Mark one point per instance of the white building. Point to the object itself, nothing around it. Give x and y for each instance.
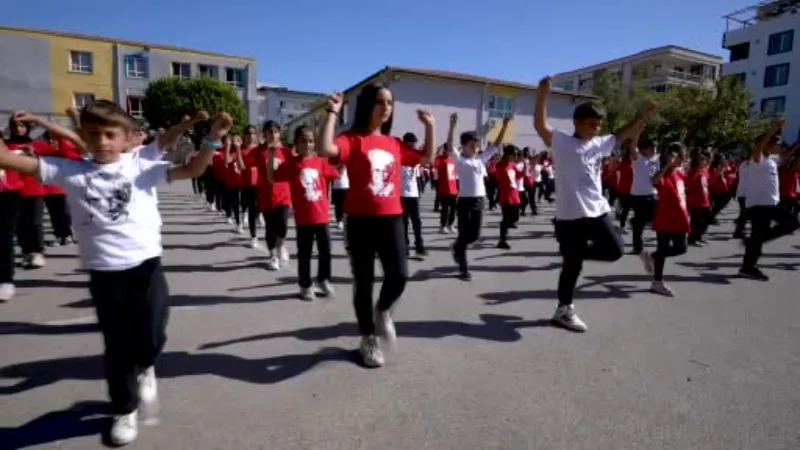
(760, 39)
(657, 68)
(283, 105)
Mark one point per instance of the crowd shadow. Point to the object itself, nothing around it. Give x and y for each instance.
(735, 266)
(23, 328)
(269, 370)
(79, 420)
(288, 281)
(52, 283)
(216, 267)
(198, 300)
(765, 255)
(493, 327)
(522, 254)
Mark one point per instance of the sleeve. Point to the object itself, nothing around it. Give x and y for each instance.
(330, 172)
(151, 152)
(53, 170)
(409, 156)
(152, 173)
(489, 153)
(606, 144)
(344, 142)
(283, 172)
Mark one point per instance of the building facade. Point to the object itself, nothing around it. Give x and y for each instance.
(760, 40)
(481, 104)
(656, 68)
(46, 72)
(284, 105)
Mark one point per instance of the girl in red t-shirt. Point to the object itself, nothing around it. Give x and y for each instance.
(507, 173)
(697, 197)
(374, 227)
(671, 218)
(624, 184)
(718, 187)
(233, 182)
(55, 198)
(10, 185)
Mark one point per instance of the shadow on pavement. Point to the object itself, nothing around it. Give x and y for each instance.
(79, 420)
(181, 300)
(494, 327)
(734, 266)
(22, 328)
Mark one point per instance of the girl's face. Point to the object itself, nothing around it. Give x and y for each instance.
(383, 107)
(237, 141)
(19, 129)
(249, 138)
(273, 135)
(305, 143)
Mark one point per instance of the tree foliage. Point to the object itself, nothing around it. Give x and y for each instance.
(720, 118)
(170, 99)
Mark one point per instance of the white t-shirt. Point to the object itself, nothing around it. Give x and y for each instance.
(342, 181)
(644, 169)
(578, 184)
(762, 182)
(114, 210)
(537, 173)
(470, 172)
(741, 188)
(410, 186)
(521, 180)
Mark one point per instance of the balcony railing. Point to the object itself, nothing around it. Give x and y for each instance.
(685, 76)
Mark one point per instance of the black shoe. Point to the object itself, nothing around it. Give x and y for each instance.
(465, 275)
(421, 252)
(504, 245)
(754, 273)
(513, 226)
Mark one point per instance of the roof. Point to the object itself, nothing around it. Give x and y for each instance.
(120, 41)
(285, 90)
(643, 53)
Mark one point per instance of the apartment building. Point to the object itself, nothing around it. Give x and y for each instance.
(47, 71)
(760, 41)
(657, 68)
(283, 105)
(480, 102)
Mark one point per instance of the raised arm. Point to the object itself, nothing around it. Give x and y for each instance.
(173, 134)
(219, 129)
(673, 163)
(761, 144)
(540, 113)
(501, 136)
(451, 133)
(52, 128)
(638, 123)
(17, 161)
(327, 148)
(426, 117)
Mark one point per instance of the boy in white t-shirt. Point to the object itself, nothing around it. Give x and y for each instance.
(583, 226)
(116, 220)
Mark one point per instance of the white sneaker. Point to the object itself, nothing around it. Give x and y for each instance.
(261, 221)
(647, 262)
(658, 287)
(370, 352)
(450, 230)
(308, 294)
(239, 230)
(229, 220)
(566, 317)
(443, 230)
(326, 288)
(254, 244)
(284, 255)
(340, 226)
(384, 326)
(124, 429)
(148, 395)
(212, 208)
(273, 264)
(7, 292)
(245, 221)
(37, 260)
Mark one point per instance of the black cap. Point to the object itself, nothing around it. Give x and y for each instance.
(410, 138)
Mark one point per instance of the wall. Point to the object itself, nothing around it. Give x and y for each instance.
(272, 110)
(24, 75)
(66, 83)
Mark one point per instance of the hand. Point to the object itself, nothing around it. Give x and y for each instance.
(73, 111)
(425, 116)
(545, 85)
(201, 116)
(508, 118)
(221, 126)
(334, 102)
(776, 125)
(453, 119)
(23, 116)
(237, 141)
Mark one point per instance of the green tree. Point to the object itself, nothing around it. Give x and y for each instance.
(170, 99)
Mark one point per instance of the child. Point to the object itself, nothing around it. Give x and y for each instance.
(117, 223)
(671, 218)
(697, 196)
(308, 176)
(507, 173)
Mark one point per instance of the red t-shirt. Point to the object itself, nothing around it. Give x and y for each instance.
(30, 183)
(671, 215)
(445, 167)
(233, 177)
(218, 165)
(546, 163)
(788, 177)
(507, 174)
(625, 175)
(373, 164)
(719, 182)
(270, 195)
(697, 188)
(308, 182)
(732, 175)
(250, 174)
(64, 149)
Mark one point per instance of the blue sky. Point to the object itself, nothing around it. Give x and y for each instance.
(324, 45)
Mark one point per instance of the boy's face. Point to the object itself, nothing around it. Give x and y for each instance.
(588, 128)
(105, 143)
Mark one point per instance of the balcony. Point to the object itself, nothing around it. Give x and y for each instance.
(668, 76)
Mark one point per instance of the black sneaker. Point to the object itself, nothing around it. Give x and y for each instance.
(504, 245)
(754, 273)
(465, 275)
(421, 252)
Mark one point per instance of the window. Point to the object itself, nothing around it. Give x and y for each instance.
(208, 71)
(234, 77)
(777, 75)
(135, 66)
(181, 70)
(780, 42)
(568, 86)
(80, 62)
(500, 107)
(136, 106)
(773, 106)
(739, 51)
(281, 104)
(660, 88)
(81, 99)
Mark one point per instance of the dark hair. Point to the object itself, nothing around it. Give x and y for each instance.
(106, 113)
(298, 132)
(467, 137)
(365, 104)
(695, 157)
(589, 110)
(510, 150)
(410, 138)
(718, 160)
(645, 143)
(270, 124)
(249, 129)
(13, 138)
(671, 149)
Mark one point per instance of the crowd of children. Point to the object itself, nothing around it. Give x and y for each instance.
(99, 184)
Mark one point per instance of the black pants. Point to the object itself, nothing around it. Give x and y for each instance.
(584, 239)
(470, 221)
(524, 200)
(644, 206)
(768, 223)
(132, 312)
(209, 186)
(510, 217)
(59, 215)
(533, 191)
(741, 220)
(700, 220)
(668, 245)
(368, 237)
(718, 203)
(548, 188)
(337, 198)
(276, 224)
(250, 205)
(30, 233)
(448, 213)
(791, 206)
(306, 236)
(197, 185)
(9, 213)
(233, 204)
(436, 202)
(411, 214)
(491, 192)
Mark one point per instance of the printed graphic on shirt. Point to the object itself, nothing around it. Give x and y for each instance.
(451, 171)
(382, 168)
(309, 178)
(704, 183)
(681, 193)
(652, 166)
(512, 177)
(108, 195)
